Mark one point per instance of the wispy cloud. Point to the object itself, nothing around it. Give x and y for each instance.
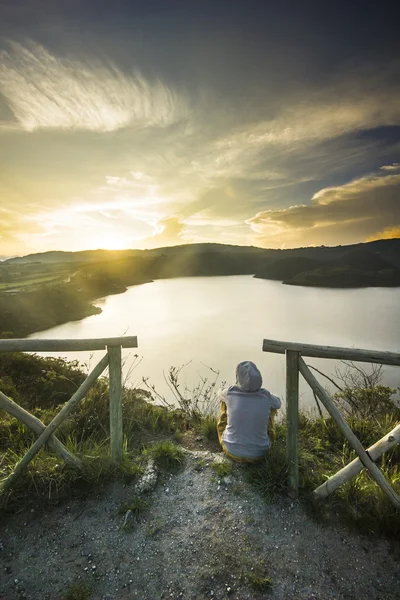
(305, 123)
(45, 91)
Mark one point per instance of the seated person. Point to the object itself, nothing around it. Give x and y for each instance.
(247, 415)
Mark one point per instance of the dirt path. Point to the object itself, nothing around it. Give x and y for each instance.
(197, 539)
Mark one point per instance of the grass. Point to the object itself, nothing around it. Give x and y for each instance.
(167, 456)
(262, 584)
(42, 386)
(208, 427)
(78, 591)
(23, 283)
(222, 469)
(270, 476)
(136, 506)
(322, 452)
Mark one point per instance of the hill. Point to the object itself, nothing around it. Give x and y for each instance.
(360, 268)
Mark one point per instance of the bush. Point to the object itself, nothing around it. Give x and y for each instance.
(32, 381)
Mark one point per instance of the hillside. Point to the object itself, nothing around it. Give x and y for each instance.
(360, 268)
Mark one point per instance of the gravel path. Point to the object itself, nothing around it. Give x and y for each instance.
(198, 538)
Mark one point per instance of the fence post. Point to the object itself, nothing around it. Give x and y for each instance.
(115, 373)
(292, 420)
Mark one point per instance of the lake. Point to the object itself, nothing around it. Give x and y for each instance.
(220, 321)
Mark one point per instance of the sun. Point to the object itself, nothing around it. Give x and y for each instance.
(111, 242)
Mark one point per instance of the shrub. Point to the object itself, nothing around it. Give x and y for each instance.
(34, 381)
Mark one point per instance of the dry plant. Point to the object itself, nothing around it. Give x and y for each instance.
(200, 400)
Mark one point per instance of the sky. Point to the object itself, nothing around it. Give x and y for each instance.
(140, 124)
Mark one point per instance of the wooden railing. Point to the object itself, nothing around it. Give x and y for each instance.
(112, 360)
(295, 365)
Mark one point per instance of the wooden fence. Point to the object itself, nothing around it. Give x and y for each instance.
(112, 360)
(295, 365)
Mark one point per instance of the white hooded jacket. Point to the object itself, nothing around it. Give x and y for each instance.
(248, 410)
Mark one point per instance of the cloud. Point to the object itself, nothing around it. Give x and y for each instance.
(13, 226)
(393, 167)
(169, 232)
(44, 91)
(387, 234)
(349, 213)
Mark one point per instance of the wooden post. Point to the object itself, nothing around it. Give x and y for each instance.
(52, 426)
(37, 427)
(115, 372)
(292, 420)
(348, 434)
(349, 471)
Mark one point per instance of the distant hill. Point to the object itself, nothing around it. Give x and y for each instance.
(360, 268)
(363, 260)
(373, 263)
(388, 250)
(286, 267)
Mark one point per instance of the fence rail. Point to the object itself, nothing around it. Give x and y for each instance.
(295, 365)
(112, 360)
(36, 345)
(370, 356)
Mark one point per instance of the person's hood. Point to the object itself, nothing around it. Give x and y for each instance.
(248, 377)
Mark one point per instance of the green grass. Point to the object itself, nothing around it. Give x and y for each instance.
(262, 584)
(222, 469)
(270, 476)
(208, 427)
(167, 455)
(137, 506)
(24, 283)
(42, 386)
(322, 452)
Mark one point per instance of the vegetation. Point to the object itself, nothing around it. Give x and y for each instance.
(43, 385)
(371, 413)
(222, 469)
(261, 584)
(137, 506)
(167, 455)
(359, 268)
(208, 427)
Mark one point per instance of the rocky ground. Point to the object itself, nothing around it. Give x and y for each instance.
(197, 537)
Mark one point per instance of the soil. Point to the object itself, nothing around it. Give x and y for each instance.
(199, 537)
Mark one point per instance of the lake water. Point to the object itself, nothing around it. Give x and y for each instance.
(220, 321)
